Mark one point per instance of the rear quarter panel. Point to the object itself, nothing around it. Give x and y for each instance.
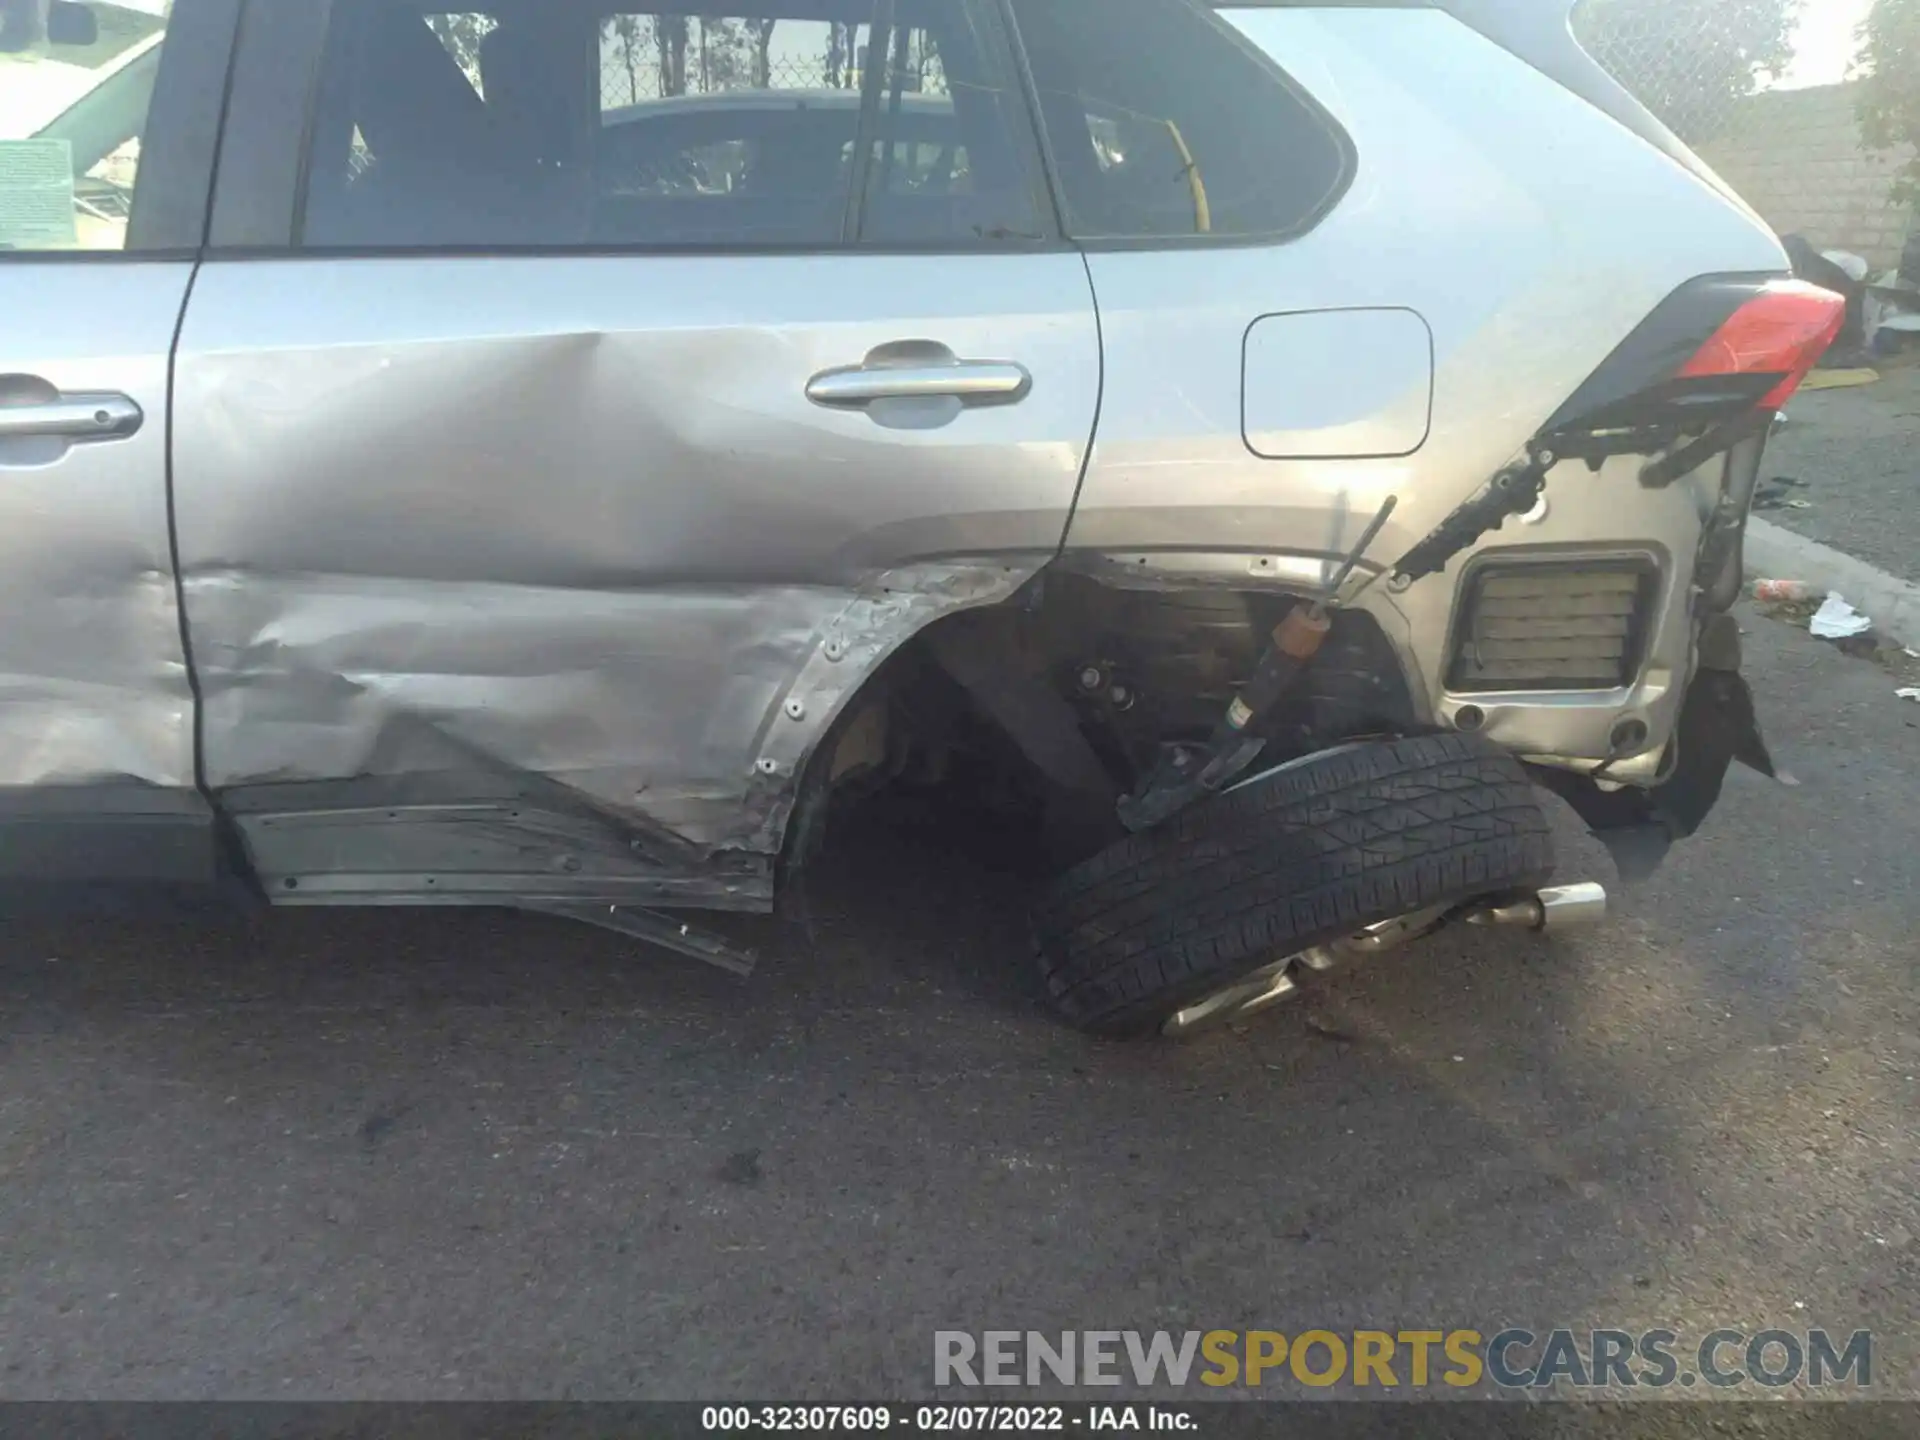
(1530, 231)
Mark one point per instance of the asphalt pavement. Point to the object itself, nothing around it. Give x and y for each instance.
(331, 1155)
(1851, 456)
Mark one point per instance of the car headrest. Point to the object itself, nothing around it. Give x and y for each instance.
(414, 106)
(529, 90)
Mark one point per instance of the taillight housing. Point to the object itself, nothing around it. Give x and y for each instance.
(1781, 333)
(1719, 351)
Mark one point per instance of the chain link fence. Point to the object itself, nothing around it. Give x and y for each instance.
(626, 83)
(641, 60)
(1689, 61)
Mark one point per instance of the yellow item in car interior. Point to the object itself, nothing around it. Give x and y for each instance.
(1202, 211)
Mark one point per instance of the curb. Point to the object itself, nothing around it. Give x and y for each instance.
(1891, 603)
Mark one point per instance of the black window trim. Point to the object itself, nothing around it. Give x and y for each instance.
(1204, 10)
(179, 144)
(258, 192)
(261, 188)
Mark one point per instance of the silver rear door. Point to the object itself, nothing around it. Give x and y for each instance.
(106, 143)
(580, 448)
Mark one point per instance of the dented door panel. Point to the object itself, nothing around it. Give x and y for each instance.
(449, 523)
(93, 678)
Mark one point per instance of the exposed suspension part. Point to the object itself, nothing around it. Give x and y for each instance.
(1187, 772)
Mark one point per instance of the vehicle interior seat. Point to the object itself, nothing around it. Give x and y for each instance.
(536, 96)
(1063, 110)
(442, 163)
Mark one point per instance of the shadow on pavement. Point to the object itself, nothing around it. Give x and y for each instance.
(473, 1154)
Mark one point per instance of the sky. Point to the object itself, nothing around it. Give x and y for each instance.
(1824, 43)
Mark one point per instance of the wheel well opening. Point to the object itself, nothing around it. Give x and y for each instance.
(1030, 718)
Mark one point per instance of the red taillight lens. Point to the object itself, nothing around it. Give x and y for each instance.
(1783, 330)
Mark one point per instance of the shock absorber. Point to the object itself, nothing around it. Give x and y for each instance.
(1181, 777)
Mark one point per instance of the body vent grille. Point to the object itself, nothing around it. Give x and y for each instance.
(1552, 627)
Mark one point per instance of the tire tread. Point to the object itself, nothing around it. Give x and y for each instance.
(1301, 857)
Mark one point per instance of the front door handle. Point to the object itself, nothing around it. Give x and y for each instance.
(79, 416)
(38, 422)
(920, 371)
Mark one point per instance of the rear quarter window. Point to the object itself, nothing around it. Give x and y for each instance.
(1165, 124)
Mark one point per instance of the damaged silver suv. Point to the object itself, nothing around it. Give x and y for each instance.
(546, 454)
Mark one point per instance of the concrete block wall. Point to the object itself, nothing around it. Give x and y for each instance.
(1796, 156)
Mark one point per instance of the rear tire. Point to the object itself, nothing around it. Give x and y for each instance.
(1302, 856)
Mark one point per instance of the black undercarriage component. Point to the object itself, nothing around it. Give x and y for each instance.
(1037, 718)
(1514, 491)
(1145, 671)
(1183, 775)
(982, 654)
(653, 927)
(1046, 713)
(1722, 562)
(1718, 725)
(1187, 773)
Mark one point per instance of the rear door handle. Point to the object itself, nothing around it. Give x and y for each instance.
(76, 417)
(920, 370)
(971, 382)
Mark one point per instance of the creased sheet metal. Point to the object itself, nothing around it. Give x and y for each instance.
(576, 519)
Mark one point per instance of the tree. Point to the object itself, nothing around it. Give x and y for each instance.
(1690, 61)
(670, 38)
(762, 53)
(842, 58)
(462, 34)
(724, 60)
(1888, 99)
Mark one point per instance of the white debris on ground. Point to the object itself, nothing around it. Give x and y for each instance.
(1837, 620)
(1910, 692)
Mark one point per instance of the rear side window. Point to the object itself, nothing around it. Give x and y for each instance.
(1165, 124)
(756, 123)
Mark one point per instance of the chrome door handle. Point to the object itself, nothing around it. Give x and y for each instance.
(919, 370)
(79, 416)
(971, 382)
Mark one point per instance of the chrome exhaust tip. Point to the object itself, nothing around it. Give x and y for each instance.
(1558, 907)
